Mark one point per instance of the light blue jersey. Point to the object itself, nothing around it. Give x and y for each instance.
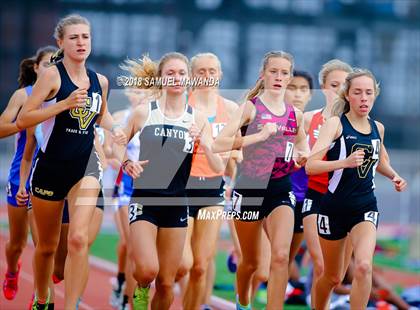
(20, 142)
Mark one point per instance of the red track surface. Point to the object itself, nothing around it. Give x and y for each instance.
(98, 290)
(96, 295)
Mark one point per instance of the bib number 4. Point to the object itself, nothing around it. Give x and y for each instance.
(372, 216)
(323, 225)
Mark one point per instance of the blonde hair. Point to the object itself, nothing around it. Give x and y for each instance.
(145, 69)
(330, 66)
(73, 19)
(342, 105)
(209, 55)
(259, 86)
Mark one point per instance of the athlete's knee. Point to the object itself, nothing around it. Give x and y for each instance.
(184, 268)
(279, 258)
(16, 247)
(250, 265)
(181, 272)
(363, 269)
(199, 268)
(333, 279)
(261, 275)
(77, 242)
(47, 247)
(46, 250)
(164, 286)
(145, 274)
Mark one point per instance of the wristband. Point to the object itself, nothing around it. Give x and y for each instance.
(125, 163)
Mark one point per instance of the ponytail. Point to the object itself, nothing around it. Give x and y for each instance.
(256, 90)
(27, 75)
(341, 105)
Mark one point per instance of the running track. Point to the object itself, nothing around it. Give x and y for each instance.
(99, 288)
(97, 292)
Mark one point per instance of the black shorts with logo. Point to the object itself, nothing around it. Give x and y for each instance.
(312, 202)
(263, 200)
(52, 179)
(159, 209)
(333, 225)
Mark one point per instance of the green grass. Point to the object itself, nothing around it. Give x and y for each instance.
(395, 255)
(105, 246)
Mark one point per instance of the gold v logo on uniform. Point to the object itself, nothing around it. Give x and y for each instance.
(363, 169)
(83, 116)
(369, 161)
(86, 114)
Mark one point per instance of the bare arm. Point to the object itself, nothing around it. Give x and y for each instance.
(231, 168)
(46, 87)
(231, 108)
(25, 165)
(27, 157)
(231, 111)
(302, 147)
(138, 117)
(108, 143)
(330, 131)
(215, 161)
(7, 125)
(228, 139)
(99, 148)
(384, 166)
(135, 123)
(105, 119)
(307, 117)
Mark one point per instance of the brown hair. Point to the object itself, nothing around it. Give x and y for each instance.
(256, 90)
(342, 105)
(27, 75)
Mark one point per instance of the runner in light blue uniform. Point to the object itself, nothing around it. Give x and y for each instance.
(18, 217)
